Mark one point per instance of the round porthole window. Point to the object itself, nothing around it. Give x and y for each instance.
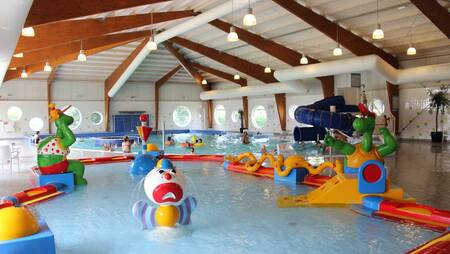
(259, 117)
(220, 115)
(377, 106)
(235, 116)
(14, 113)
(181, 116)
(36, 124)
(292, 109)
(96, 118)
(75, 113)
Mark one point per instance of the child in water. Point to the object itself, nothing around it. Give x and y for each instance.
(126, 145)
(245, 139)
(170, 141)
(192, 150)
(263, 149)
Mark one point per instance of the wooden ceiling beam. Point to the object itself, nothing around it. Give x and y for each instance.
(186, 65)
(276, 50)
(272, 48)
(350, 41)
(48, 35)
(118, 72)
(43, 55)
(47, 11)
(435, 12)
(167, 76)
(221, 74)
(254, 70)
(30, 69)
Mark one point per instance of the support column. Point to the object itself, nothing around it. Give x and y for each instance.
(210, 113)
(107, 100)
(280, 100)
(156, 107)
(393, 98)
(245, 109)
(50, 80)
(327, 86)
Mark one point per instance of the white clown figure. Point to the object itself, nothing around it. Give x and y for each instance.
(164, 186)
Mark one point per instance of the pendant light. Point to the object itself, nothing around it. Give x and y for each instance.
(18, 55)
(337, 51)
(378, 33)
(47, 67)
(249, 18)
(411, 51)
(24, 73)
(236, 76)
(267, 69)
(28, 31)
(304, 59)
(232, 35)
(204, 82)
(82, 57)
(152, 44)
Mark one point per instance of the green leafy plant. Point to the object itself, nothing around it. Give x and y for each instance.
(439, 101)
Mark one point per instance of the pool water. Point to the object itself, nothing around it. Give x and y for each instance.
(229, 143)
(236, 213)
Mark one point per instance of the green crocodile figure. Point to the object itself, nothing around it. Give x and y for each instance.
(359, 153)
(53, 150)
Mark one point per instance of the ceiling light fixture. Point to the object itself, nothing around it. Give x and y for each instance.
(204, 82)
(304, 59)
(236, 76)
(232, 35)
(152, 44)
(82, 57)
(267, 69)
(337, 51)
(24, 73)
(18, 55)
(378, 33)
(28, 32)
(249, 18)
(47, 67)
(411, 51)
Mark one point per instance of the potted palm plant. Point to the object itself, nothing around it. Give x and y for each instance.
(439, 101)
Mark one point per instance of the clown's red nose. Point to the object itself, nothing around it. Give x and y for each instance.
(167, 176)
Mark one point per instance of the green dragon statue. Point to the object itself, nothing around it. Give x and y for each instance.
(53, 150)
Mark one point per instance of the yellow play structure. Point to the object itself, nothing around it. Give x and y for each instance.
(341, 189)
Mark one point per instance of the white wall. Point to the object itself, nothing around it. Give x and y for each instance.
(31, 97)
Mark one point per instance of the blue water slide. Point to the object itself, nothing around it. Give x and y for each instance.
(325, 119)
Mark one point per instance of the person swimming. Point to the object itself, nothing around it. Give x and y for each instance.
(170, 141)
(245, 138)
(263, 149)
(126, 145)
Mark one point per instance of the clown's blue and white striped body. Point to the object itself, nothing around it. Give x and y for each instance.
(147, 214)
(165, 187)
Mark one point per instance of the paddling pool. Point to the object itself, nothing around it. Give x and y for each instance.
(236, 213)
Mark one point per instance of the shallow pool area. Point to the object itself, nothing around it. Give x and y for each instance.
(236, 214)
(227, 143)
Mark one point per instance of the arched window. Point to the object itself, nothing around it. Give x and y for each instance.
(220, 114)
(259, 117)
(181, 116)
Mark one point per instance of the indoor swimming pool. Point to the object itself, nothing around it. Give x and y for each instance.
(228, 143)
(236, 213)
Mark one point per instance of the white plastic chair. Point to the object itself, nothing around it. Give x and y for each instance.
(5, 155)
(15, 154)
